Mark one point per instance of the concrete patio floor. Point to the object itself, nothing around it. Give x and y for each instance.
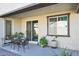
(4, 52)
(36, 50)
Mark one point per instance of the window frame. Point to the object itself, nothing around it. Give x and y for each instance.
(68, 22)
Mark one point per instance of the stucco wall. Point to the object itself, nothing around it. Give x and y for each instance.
(16, 24)
(71, 42)
(19, 25)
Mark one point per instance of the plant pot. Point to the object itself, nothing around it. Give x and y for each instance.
(7, 41)
(42, 46)
(54, 44)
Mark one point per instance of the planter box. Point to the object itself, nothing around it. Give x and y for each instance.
(7, 41)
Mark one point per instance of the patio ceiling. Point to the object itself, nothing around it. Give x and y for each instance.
(27, 8)
(77, 8)
(22, 11)
(6, 8)
(55, 8)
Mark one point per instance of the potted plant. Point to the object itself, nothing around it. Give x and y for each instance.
(8, 38)
(15, 34)
(20, 35)
(43, 42)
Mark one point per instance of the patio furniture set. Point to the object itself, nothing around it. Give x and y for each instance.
(16, 40)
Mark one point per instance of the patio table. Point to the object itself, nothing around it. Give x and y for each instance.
(19, 43)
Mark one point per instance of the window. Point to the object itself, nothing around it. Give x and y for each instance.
(58, 25)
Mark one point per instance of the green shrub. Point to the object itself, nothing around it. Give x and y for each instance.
(15, 34)
(43, 42)
(18, 35)
(66, 52)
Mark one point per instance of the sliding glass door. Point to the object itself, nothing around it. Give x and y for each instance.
(35, 30)
(32, 30)
(28, 30)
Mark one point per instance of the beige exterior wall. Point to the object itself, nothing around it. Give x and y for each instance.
(16, 24)
(71, 42)
(19, 25)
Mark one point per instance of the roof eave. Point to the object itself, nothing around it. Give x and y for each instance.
(37, 6)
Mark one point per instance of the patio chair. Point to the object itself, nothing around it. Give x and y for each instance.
(24, 43)
(13, 42)
(20, 43)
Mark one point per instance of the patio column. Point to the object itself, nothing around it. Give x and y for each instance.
(2, 30)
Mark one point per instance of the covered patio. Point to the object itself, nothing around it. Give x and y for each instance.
(50, 20)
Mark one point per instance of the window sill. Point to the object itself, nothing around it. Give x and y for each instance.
(59, 35)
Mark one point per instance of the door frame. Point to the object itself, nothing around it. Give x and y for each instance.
(35, 42)
(6, 27)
